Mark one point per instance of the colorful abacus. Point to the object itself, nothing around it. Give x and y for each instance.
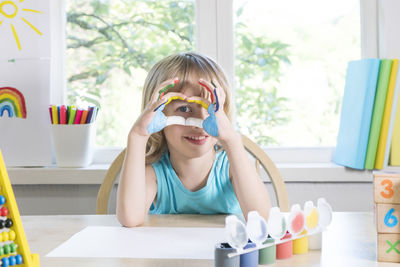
(387, 209)
(14, 249)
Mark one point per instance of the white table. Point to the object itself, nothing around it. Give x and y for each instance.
(349, 241)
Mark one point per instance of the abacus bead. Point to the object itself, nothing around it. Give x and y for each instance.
(13, 248)
(6, 236)
(11, 235)
(2, 200)
(1, 250)
(5, 262)
(18, 259)
(6, 249)
(2, 224)
(9, 223)
(4, 211)
(12, 260)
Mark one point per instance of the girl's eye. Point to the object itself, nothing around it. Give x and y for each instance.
(184, 109)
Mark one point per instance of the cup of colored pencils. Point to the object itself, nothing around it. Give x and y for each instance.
(73, 132)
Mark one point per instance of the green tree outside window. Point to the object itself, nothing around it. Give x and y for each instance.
(112, 44)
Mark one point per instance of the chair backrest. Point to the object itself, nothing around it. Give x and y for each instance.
(259, 155)
(261, 158)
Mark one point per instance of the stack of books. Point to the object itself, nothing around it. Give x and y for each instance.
(369, 132)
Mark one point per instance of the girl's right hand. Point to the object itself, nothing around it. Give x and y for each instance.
(147, 115)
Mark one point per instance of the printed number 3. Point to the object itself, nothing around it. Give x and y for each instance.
(388, 188)
(389, 216)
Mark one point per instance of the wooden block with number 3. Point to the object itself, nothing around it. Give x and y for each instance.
(387, 188)
(389, 247)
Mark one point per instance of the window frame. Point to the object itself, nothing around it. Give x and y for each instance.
(215, 38)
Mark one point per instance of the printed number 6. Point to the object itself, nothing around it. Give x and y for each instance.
(389, 216)
(388, 188)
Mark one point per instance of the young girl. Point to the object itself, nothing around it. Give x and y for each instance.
(183, 169)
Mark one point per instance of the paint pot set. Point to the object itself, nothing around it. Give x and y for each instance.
(285, 234)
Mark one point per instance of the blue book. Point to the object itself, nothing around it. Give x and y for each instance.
(357, 107)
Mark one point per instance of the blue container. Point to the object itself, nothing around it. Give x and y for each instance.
(249, 259)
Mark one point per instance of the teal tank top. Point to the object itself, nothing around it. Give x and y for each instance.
(217, 196)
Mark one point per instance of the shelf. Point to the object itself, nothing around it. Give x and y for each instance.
(94, 174)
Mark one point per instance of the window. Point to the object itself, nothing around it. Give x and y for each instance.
(308, 62)
(290, 65)
(110, 47)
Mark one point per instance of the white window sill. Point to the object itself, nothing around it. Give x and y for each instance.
(94, 174)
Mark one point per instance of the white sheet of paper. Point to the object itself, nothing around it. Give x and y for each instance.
(27, 141)
(142, 242)
(27, 23)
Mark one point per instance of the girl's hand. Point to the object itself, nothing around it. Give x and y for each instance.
(226, 132)
(147, 115)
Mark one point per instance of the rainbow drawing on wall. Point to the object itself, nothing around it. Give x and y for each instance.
(12, 101)
(9, 11)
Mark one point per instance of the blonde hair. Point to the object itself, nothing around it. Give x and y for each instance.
(185, 66)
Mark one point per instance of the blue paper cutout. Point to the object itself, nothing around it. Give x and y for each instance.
(210, 124)
(159, 121)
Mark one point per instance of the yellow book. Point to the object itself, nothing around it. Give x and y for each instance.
(383, 137)
(394, 158)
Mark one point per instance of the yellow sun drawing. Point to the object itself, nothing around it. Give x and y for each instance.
(8, 13)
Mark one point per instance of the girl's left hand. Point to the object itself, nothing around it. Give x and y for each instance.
(226, 132)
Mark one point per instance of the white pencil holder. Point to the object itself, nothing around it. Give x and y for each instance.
(73, 144)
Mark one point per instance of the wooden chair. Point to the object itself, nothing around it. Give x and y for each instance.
(259, 155)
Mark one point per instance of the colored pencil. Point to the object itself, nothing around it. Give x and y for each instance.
(89, 117)
(84, 116)
(63, 115)
(55, 115)
(78, 116)
(51, 115)
(71, 118)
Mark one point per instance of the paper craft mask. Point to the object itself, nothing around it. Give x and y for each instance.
(210, 125)
(160, 121)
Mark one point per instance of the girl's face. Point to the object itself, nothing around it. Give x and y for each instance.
(190, 141)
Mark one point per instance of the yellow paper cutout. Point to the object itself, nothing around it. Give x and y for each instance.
(203, 104)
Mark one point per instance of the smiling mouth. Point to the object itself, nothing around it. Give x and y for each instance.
(197, 140)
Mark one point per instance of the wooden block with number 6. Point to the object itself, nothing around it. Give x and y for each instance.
(388, 218)
(387, 188)
(389, 247)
